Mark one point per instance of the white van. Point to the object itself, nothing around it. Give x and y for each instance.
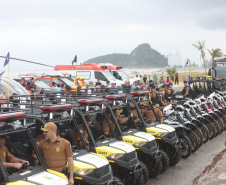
(89, 71)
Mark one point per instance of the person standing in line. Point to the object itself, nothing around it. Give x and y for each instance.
(176, 79)
(163, 76)
(145, 79)
(126, 87)
(155, 79)
(113, 89)
(149, 78)
(107, 86)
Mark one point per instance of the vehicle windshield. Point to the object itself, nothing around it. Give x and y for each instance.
(68, 82)
(123, 75)
(221, 72)
(41, 84)
(109, 76)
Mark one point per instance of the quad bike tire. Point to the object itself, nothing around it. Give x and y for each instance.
(194, 141)
(212, 130)
(145, 172)
(165, 161)
(174, 160)
(157, 171)
(116, 181)
(139, 181)
(186, 146)
(205, 133)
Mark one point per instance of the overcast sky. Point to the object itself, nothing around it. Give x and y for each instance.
(54, 31)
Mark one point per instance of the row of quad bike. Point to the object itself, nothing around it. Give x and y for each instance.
(132, 152)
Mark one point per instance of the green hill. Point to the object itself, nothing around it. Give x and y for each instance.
(142, 56)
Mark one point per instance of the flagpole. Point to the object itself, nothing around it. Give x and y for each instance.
(8, 80)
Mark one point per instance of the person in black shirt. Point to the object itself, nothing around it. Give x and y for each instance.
(98, 83)
(176, 79)
(145, 80)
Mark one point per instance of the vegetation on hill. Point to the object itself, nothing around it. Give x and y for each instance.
(141, 57)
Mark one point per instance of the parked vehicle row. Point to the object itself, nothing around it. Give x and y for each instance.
(112, 143)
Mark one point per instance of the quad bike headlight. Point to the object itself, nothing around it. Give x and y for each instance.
(139, 144)
(84, 171)
(161, 134)
(115, 156)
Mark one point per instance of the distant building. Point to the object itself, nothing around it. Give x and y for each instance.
(175, 59)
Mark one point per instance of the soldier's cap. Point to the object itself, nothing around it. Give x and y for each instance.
(77, 78)
(185, 81)
(117, 112)
(82, 78)
(49, 126)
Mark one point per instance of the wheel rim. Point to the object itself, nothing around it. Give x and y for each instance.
(183, 146)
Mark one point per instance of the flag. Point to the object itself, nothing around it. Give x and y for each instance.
(6, 60)
(187, 61)
(75, 60)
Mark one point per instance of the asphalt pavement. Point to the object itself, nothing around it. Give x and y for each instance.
(193, 169)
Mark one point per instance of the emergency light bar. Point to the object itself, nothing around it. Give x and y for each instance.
(217, 79)
(15, 115)
(90, 101)
(140, 93)
(116, 97)
(119, 67)
(55, 107)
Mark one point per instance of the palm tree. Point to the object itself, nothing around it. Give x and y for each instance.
(200, 45)
(171, 72)
(215, 53)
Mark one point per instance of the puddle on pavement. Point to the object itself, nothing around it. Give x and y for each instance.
(208, 168)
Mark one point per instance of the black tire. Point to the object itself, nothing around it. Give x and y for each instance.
(200, 136)
(139, 181)
(157, 171)
(217, 126)
(165, 161)
(221, 125)
(173, 161)
(185, 146)
(212, 130)
(116, 181)
(224, 119)
(145, 172)
(205, 133)
(194, 141)
(129, 180)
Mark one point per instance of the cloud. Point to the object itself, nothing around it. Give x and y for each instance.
(54, 31)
